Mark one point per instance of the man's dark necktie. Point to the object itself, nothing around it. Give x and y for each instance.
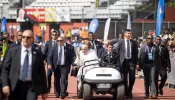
(128, 49)
(60, 57)
(92, 44)
(160, 50)
(25, 66)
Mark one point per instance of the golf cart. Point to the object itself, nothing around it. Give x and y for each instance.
(101, 80)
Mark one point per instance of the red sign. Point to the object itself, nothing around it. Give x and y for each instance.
(30, 14)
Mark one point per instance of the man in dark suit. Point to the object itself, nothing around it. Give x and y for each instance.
(59, 60)
(128, 53)
(18, 39)
(48, 46)
(73, 55)
(96, 45)
(23, 72)
(103, 49)
(149, 61)
(164, 63)
(110, 57)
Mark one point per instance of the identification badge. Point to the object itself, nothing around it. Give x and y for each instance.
(150, 56)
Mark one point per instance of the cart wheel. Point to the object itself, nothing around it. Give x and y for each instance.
(87, 92)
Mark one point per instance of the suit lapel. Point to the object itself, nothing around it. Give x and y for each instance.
(50, 44)
(56, 53)
(18, 57)
(65, 50)
(123, 45)
(131, 46)
(33, 57)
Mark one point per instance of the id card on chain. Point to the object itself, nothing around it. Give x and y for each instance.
(150, 54)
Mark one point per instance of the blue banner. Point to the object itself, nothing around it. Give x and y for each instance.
(93, 25)
(159, 18)
(3, 25)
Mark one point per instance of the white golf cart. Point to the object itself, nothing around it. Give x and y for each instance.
(101, 80)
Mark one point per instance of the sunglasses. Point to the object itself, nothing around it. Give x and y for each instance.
(150, 38)
(54, 34)
(27, 37)
(19, 35)
(59, 40)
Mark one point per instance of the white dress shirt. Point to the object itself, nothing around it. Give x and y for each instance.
(126, 47)
(23, 54)
(53, 42)
(62, 58)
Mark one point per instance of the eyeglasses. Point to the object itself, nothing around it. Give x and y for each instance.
(59, 40)
(27, 37)
(54, 34)
(19, 35)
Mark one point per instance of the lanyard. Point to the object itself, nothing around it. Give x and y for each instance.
(148, 49)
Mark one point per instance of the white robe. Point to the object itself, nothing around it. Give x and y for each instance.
(91, 55)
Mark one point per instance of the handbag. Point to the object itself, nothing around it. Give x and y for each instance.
(74, 72)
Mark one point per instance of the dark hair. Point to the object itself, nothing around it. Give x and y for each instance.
(110, 43)
(127, 30)
(91, 33)
(55, 32)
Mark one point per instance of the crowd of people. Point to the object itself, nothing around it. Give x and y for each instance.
(23, 62)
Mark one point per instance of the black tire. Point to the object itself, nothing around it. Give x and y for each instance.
(120, 95)
(79, 92)
(87, 92)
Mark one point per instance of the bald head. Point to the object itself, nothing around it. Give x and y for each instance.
(27, 38)
(28, 33)
(150, 39)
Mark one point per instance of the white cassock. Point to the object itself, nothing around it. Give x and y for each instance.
(91, 55)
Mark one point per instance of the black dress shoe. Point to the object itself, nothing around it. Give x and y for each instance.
(146, 96)
(63, 96)
(130, 95)
(57, 95)
(160, 91)
(48, 90)
(67, 93)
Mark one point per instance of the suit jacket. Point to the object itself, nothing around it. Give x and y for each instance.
(121, 51)
(98, 45)
(11, 69)
(71, 48)
(47, 48)
(100, 52)
(165, 58)
(116, 63)
(53, 57)
(143, 55)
